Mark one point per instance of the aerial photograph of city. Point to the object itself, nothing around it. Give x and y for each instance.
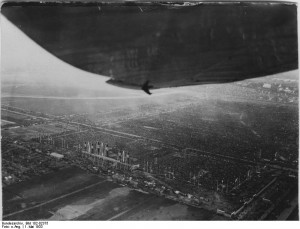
(149, 111)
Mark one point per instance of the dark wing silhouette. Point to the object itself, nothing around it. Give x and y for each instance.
(165, 44)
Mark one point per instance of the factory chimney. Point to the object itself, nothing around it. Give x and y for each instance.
(119, 156)
(88, 147)
(123, 156)
(102, 149)
(98, 148)
(106, 150)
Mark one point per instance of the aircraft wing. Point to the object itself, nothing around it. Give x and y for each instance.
(165, 45)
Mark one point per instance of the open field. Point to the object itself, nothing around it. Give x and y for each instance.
(34, 131)
(74, 194)
(9, 114)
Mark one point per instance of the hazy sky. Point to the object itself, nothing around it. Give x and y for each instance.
(24, 60)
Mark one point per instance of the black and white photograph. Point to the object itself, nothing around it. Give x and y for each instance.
(149, 111)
